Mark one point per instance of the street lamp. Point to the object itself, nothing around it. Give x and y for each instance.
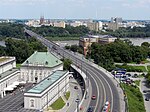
(77, 101)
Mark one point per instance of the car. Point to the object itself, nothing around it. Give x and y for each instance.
(128, 74)
(146, 99)
(106, 107)
(75, 87)
(144, 91)
(93, 97)
(90, 109)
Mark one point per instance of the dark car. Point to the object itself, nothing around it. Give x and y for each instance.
(75, 87)
(146, 99)
(90, 109)
(128, 74)
(144, 91)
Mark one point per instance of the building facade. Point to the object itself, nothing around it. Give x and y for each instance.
(8, 73)
(61, 24)
(38, 66)
(47, 91)
(94, 26)
(86, 41)
(115, 23)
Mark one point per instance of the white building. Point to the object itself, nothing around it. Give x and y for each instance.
(38, 66)
(100, 25)
(8, 75)
(47, 91)
(76, 23)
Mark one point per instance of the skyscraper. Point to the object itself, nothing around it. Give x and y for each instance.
(42, 20)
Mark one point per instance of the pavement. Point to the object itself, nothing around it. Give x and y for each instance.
(144, 86)
(73, 96)
(14, 102)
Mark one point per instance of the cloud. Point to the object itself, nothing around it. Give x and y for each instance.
(12, 2)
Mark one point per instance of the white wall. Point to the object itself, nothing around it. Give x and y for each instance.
(7, 65)
(8, 81)
(29, 73)
(51, 94)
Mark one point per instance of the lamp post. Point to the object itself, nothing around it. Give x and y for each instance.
(77, 101)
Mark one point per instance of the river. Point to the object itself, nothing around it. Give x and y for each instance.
(135, 41)
(138, 41)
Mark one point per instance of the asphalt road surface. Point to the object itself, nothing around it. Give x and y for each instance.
(13, 102)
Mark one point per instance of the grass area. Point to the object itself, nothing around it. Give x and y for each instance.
(137, 82)
(135, 99)
(145, 61)
(148, 67)
(58, 104)
(141, 76)
(62, 38)
(142, 62)
(67, 95)
(18, 65)
(133, 68)
(142, 68)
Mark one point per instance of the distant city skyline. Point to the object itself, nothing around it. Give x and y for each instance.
(75, 9)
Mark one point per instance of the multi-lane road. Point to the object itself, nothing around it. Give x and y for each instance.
(102, 86)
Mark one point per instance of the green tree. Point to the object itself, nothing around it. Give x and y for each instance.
(67, 47)
(146, 44)
(66, 64)
(148, 77)
(74, 48)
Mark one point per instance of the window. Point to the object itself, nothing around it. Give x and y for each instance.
(40, 76)
(31, 75)
(23, 75)
(31, 103)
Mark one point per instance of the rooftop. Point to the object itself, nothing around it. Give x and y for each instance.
(2, 59)
(98, 36)
(42, 59)
(44, 84)
(7, 73)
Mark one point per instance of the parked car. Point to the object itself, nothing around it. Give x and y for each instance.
(128, 74)
(144, 91)
(75, 87)
(135, 75)
(146, 99)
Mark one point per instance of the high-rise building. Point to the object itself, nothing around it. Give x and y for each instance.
(116, 20)
(61, 24)
(94, 26)
(42, 20)
(115, 23)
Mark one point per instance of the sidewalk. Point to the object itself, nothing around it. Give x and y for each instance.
(73, 96)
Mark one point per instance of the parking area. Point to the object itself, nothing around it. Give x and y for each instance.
(14, 101)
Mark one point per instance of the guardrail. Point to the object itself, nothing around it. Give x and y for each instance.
(85, 80)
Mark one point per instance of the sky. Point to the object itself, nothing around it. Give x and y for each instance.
(75, 9)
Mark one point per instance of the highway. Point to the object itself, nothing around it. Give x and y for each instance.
(102, 86)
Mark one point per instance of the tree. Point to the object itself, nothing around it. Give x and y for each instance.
(74, 48)
(67, 47)
(22, 49)
(66, 64)
(148, 77)
(146, 44)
